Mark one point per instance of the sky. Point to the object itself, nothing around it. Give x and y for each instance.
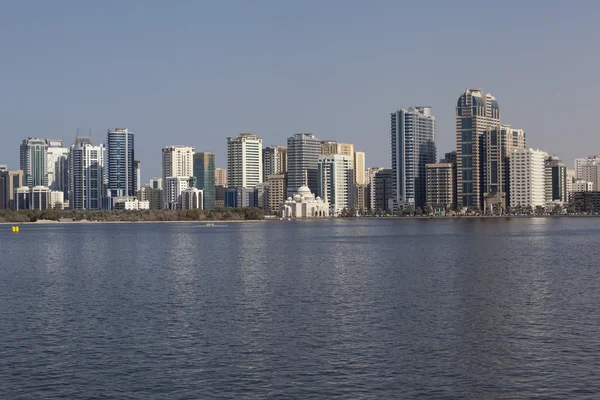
(196, 72)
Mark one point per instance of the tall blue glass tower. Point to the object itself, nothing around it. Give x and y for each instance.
(120, 163)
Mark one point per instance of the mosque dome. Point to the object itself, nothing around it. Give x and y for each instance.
(303, 190)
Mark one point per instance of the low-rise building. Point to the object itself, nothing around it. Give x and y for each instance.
(192, 199)
(130, 203)
(304, 205)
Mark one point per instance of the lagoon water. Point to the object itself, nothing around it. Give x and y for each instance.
(357, 309)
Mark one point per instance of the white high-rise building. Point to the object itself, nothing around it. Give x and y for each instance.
(174, 187)
(336, 181)
(86, 175)
(582, 186)
(177, 161)
(527, 178)
(192, 199)
(359, 168)
(590, 172)
(57, 166)
(580, 162)
(244, 161)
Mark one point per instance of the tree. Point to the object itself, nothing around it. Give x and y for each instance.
(557, 209)
(427, 209)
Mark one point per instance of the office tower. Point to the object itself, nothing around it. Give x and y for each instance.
(22, 199)
(303, 153)
(555, 181)
(57, 166)
(475, 112)
(120, 163)
(244, 161)
(221, 177)
(336, 181)
(192, 199)
(359, 168)
(382, 191)
(527, 178)
(177, 161)
(153, 195)
(498, 143)
(86, 174)
(275, 161)
(33, 162)
(156, 183)
(276, 187)
(10, 181)
(138, 175)
(332, 147)
(204, 176)
(40, 198)
(413, 146)
(174, 186)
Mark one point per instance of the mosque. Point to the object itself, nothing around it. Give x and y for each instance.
(304, 205)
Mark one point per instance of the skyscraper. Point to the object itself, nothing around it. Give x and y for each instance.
(138, 175)
(359, 168)
(303, 153)
(498, 143)
(275, 161)
(244, 161)
(334, 147)
(9, 182)
(475, 112)
(120, 163)
(86, 174)
(555, 181)
(204, 176)
(57, 166)
(33, 162)
(177, 162)
(382, 191)
(527, 178)
(336, 181)
(413, 146)
(440, 187)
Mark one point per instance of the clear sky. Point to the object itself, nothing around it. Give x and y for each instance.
(195, 72)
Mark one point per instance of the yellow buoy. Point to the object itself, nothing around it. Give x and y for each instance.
(15, 229)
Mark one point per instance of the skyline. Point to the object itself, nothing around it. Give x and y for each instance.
(196, 74)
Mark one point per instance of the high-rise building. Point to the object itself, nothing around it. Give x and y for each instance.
(336, 181)
(440, 187)
(221, 177)
(450, 157)
(33, 162)
(57, 166)
(413, 146)
(3, 167)
(120, 163)
(244, 161)
(303, 154)
(590, 172)
(570, 182)
(527, 178)
(359, 168)
(177, 161)
(276, 188)
(174, 186)
(498, 143)
(333, 147)
(475, 113)
(22, 198)
(580, 162)
(204, 176)
(10, 181)
(86, 174)
(275, 161)
(138, 175)
(40, 198)
(382, 191)
(153, 195)
(555, 181)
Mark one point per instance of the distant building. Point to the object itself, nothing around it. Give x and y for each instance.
(244, 161)
(22, 198)
(130, 203)
(138, 175)
(304, 205)
(555, 181)
(330, 147)
(303, 154)
(120, 163)
(413, 146)
(275, 161)
(177, 162)
(154, 196)
(276, 192)
(10, 181)
(440, 183)
(527, 178)
(57, 166)
(3, 167)
(192, 199)
(174, 187)
(204, 176)
(450, 157)
(475, 113)
(336, 181)
(156, 183)
(33, 162)
(40, 198)
(580, 162)
(220, 196)
(86, 175)
(360, 197)
(57, 200)
(382, 191)
(582, 186)
(221, 177)
(359, 168)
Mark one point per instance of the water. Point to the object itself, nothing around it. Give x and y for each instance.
(373, 309)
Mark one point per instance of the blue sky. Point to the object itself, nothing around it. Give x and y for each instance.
(195, 72)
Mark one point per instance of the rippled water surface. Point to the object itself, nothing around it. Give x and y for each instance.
(374, 309)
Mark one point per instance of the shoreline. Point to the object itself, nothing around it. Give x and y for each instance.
(52, 222)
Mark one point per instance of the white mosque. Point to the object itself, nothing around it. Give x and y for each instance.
(304, 205)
